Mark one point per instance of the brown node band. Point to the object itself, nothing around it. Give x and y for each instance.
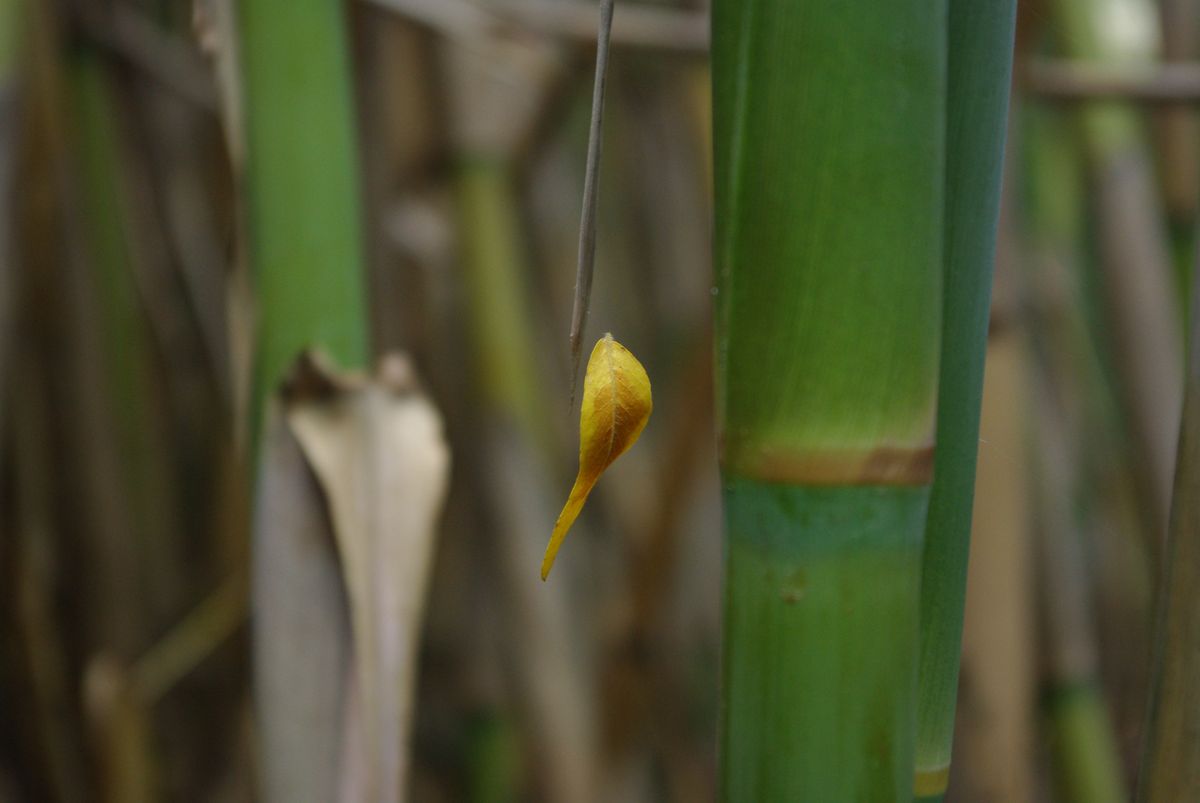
(885, 465)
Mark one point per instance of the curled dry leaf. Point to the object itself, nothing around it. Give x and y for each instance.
(376, 447)
(354, 475)
(616, 406)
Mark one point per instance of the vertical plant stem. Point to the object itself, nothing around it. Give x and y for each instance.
(829, 162)
(1134, 269)
(10, 121)
(820, 621)
(1079, 726)
(128, 375)
(1178, 139)
(591, 194)
(1069, 400)
(1108, 514)
(997, 706)
(980, 43)
(1171, 763)
(489, 113)
(306, 256)
(10, 18)
(302, 183)
(504, 344)
(514, 446)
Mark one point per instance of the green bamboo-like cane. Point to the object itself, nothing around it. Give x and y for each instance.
(980, 44)
(302, 185)
(828, 142)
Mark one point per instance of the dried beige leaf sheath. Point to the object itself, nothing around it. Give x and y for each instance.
(365, 461)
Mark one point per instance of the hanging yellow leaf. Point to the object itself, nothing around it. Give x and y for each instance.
(616, 406)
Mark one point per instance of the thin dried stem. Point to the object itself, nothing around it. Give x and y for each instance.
(591, 193)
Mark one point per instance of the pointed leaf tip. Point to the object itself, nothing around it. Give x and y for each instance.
(615, 408)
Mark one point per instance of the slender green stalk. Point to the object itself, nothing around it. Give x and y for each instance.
(1083, 478)
(1171, 764)
(980, 43)
(828, 140)
(515, 444)
(496, 287)
(306, 245)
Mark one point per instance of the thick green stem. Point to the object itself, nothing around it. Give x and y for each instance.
(980, 41)
(821, 616)
(828, 142)
(828, 150)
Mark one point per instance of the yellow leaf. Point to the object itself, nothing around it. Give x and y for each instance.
(616, 406)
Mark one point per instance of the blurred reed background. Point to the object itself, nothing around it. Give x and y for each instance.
(406, 176)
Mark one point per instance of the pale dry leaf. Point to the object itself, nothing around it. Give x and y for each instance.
(379, 453)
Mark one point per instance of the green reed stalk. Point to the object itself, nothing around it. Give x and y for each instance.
(306, 253)
(302, 185)
(500, 316)
(828, 139)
